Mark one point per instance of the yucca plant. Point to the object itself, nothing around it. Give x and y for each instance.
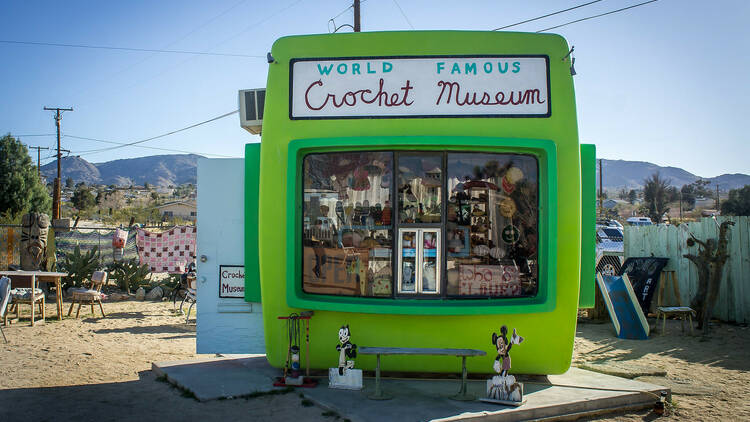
(129, 273)
(79, 266)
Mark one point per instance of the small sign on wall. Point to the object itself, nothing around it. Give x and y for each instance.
(232, 281)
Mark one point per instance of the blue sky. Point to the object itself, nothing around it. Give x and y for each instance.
(665, 82)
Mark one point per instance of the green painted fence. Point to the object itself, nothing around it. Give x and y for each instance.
(733, 303)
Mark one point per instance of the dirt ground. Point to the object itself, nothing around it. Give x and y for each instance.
(100, 369)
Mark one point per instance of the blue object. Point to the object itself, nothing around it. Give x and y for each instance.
(623, 307)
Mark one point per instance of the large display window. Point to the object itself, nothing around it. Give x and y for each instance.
(464, 224)
(492, 225)
(347, 224)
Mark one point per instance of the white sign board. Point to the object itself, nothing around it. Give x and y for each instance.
(232, 281)
(499, 86)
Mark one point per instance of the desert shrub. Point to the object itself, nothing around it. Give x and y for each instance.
(128, 273)
(79, 266)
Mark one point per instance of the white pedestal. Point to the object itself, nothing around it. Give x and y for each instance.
(504, 390)
(351, 380)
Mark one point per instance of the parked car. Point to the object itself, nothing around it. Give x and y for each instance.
(639, 221)
(609, 239)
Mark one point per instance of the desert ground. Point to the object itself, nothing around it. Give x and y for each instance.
(96, 368)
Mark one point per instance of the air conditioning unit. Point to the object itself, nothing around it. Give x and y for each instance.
(251, 109)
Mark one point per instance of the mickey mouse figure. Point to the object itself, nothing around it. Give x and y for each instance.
(346, 349)
(502, 361)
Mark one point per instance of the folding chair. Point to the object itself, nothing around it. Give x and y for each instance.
(4, 297)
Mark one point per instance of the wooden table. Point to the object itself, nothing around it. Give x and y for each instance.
(462, 353)
(44, 277)
(681, 312)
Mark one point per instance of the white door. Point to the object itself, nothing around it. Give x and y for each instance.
(226, 323)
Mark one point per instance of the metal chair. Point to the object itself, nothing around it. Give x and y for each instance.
(191, 296)
(4, 298)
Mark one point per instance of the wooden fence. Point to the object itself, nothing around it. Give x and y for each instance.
(733, 303)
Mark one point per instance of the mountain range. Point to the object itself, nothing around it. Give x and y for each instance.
(177, 169)
(158, 170)
(620, 174)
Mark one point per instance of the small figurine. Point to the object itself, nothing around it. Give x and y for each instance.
(347, 350)
(503, 349)
(503, 388)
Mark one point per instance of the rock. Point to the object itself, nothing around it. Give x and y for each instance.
(140, 294)
(155, 294)
(116, 297)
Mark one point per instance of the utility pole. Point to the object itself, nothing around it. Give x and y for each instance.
(601, 189)
(356, 16)
(718, 202)
(38, 159)
(56, 194)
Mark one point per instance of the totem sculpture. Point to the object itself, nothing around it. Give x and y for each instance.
(503, 388)
(345, 376)
(34, 241)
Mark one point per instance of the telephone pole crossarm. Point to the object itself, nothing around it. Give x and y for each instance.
(56, 195)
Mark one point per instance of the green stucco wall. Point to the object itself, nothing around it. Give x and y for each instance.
(547, 322)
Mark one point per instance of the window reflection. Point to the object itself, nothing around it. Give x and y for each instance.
(492, 225)
(420, 181)
(347, 240)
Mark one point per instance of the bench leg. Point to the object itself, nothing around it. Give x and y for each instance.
(378, 395)
(462, 394)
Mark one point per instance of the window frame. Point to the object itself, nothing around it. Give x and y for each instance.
(545, 300)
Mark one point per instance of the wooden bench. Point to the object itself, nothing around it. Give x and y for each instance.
(462, 353)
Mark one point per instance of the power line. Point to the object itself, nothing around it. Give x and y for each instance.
(598, 16)
(547, 15)
(144, 146)
(157, 137)
(140, 50)
(192, 31)
(333, 19)
(253, 25)
(404, 14)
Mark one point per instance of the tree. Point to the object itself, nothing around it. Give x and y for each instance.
(710, 262)
(21, 191)
(622, 194)
(632, 196)
(69, 183)
(155, 196)
(82, 198)
(147, 186)
(688, 195)
(656, 197)
(738, 202)
(673, 194)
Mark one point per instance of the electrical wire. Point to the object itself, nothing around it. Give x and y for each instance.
(109, 77)
(336, 28)
(546, 16)
(253, 25)
(158, 136)
(140, 50)
(598, 16)
(145, 146)
(404, 14)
